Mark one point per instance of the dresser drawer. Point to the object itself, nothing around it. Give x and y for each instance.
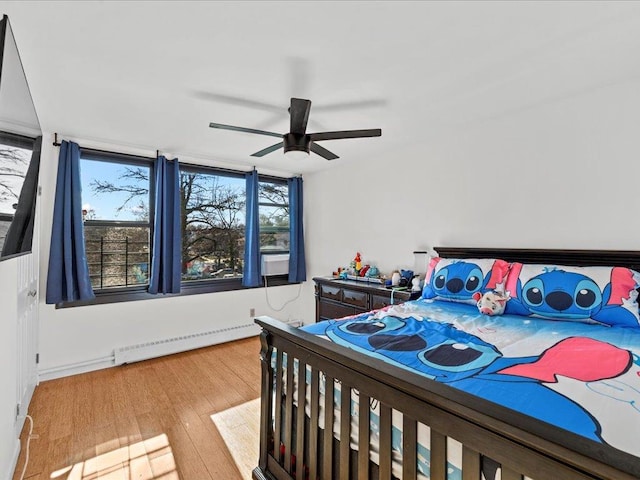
(332, 293)
(380, 301)
(330, 310)
(353, 297)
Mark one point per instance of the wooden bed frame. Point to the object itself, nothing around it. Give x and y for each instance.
(520, 444)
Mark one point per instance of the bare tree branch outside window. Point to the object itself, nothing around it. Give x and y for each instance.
(212, 218)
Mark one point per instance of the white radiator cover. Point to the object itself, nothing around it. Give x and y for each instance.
(275, 264)
(158, 348)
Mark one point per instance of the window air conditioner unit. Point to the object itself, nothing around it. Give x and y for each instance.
(275, 264)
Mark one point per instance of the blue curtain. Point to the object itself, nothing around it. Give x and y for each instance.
(166, 261)
(251, 273)
(68, 275)
(297, 265)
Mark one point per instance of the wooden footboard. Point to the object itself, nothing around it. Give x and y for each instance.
(293, 444)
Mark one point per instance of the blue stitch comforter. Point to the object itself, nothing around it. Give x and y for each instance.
(584, 378)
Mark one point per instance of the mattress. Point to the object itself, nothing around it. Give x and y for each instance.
(581, 378)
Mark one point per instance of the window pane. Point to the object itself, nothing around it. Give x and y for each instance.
(114, 194)
(115, 191)
(274, 193)
(117, 256)
(274, 217)
(213, 228)
(274, 228)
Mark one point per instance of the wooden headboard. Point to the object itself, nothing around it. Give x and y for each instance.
(620, 258)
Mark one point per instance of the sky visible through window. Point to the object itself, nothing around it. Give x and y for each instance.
(104, 206)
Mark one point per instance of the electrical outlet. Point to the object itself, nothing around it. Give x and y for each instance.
(252, 312)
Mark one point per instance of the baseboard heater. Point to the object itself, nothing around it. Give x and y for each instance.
(158, 348)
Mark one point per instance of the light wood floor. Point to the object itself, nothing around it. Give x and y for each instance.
(150, 420)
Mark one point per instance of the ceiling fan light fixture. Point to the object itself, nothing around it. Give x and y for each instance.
(296, 155)
(296, 147)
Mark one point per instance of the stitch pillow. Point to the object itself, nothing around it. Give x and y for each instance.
(457, 280)
(604, 295)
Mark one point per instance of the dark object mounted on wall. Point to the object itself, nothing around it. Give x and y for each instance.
(298, 140)
(20, 143)
(19, 235)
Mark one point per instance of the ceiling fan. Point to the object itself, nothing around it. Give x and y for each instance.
(298, 140)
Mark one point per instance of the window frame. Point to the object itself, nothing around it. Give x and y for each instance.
(17, 141)
(128, 160)
(139, 292)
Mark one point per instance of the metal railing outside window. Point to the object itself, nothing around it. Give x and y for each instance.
(117, 254)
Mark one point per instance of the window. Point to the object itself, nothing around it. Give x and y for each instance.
(117, 207)
(274, 217)
(213, 224)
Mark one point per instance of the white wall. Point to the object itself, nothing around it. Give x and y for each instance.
(72, 337)
(9, 444)
(560, 174)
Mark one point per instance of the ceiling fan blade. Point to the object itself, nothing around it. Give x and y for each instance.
(323, 152)
(374, 102)
(244, 130)
(374, 132)
(241, 102)
(270, 149)
(299, 112)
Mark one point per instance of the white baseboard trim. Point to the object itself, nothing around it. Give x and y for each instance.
(75, 368)
(189, 342)
(167, 346)
(11, 468)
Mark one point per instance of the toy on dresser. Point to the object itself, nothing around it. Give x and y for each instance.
(491, 303)
(358, 270)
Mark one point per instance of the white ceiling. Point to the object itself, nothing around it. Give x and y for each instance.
(152, 75)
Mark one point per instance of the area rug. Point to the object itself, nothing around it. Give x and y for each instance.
(240, 429)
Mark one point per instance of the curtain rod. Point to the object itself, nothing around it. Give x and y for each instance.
(56, 143)
(220, 169)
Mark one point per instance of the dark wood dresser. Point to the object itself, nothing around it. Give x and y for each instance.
(337, 298)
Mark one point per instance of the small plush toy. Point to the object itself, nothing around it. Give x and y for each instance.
(491, 303)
